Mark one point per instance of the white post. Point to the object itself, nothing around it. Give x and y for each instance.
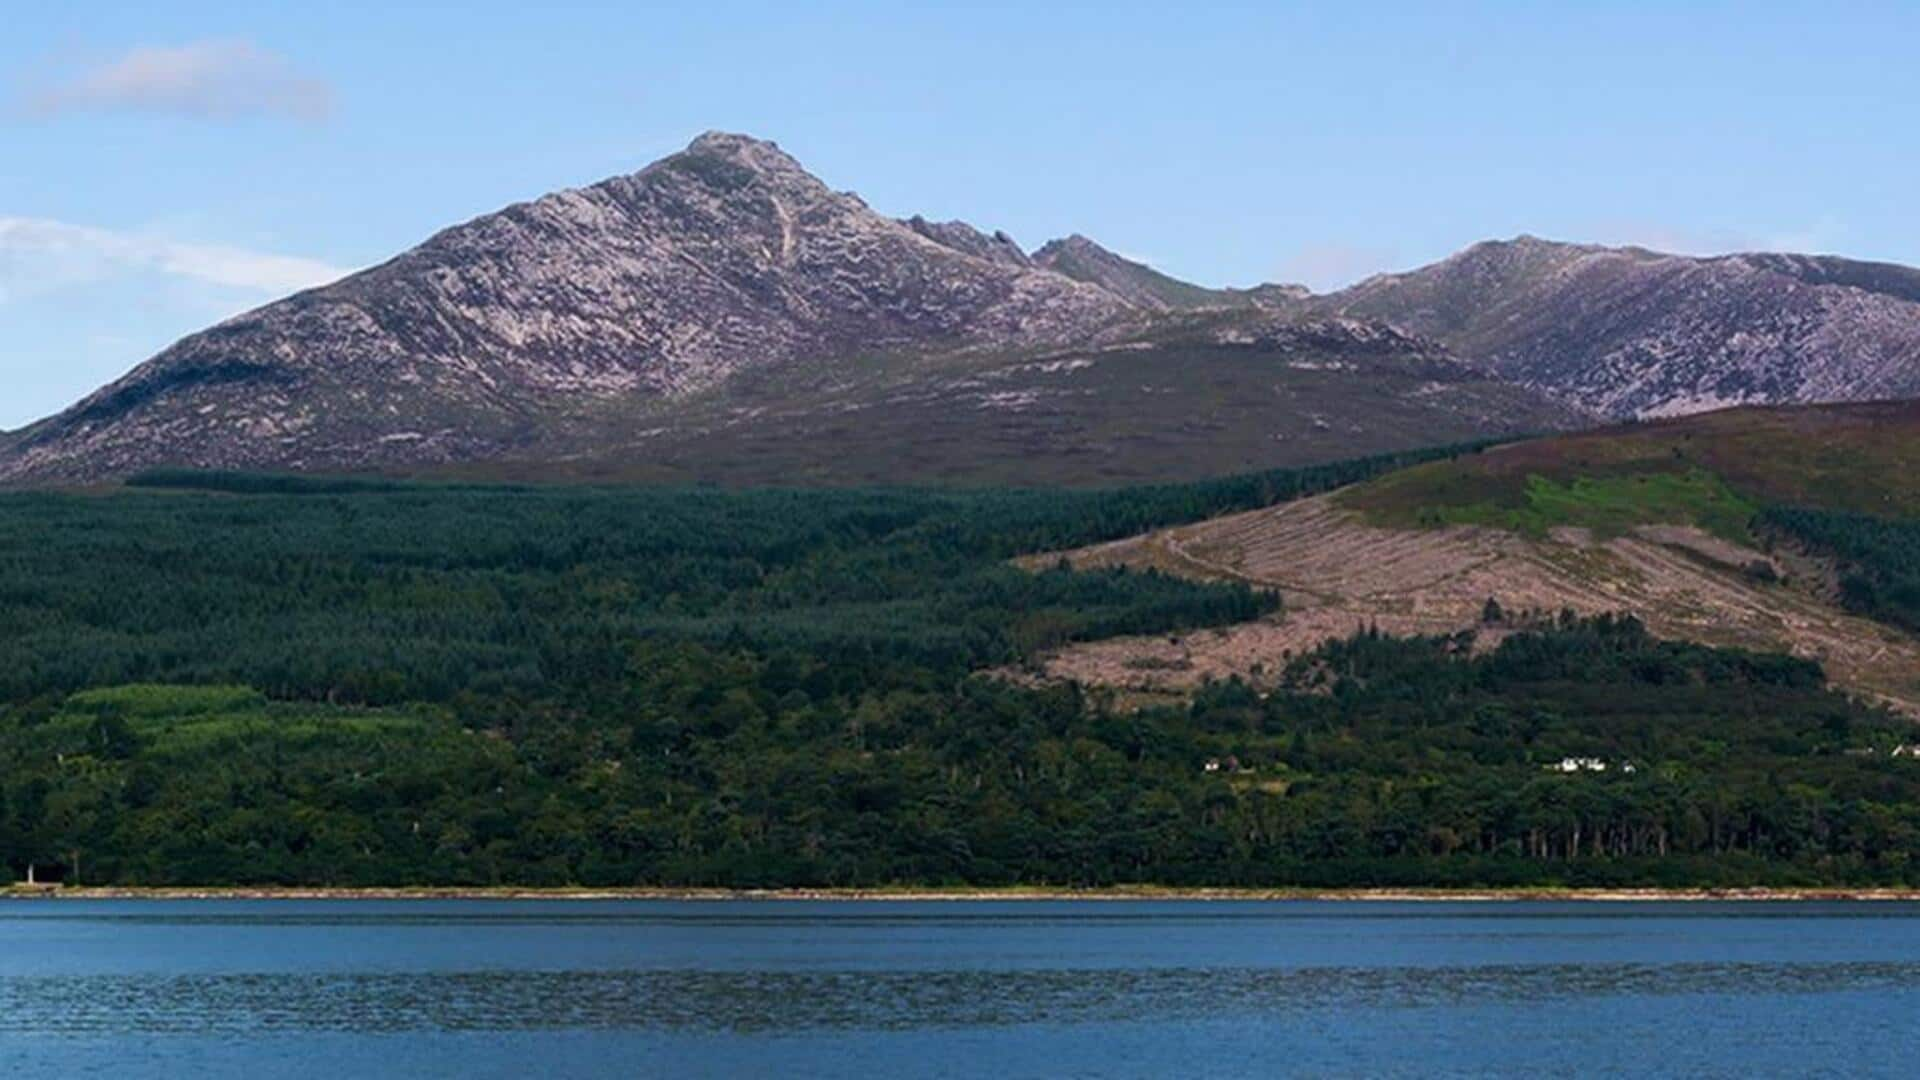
(29, 873)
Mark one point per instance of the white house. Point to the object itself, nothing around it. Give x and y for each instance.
(1594, 764)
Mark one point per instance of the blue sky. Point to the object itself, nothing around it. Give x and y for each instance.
(166, 165)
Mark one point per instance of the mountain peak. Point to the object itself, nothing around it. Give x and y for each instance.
(1083, 259)
(964, 238)
(618, 298)
(1625, 332)
(1080, 243)
(741, 148)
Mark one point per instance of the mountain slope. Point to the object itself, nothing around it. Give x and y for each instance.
(1139, 284)
(1862, 458)
(1625, 332)
(1194, 396)
(1654, 520)
(724, 315)
(499, 333)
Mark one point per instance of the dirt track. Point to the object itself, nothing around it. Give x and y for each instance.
(1338, 574)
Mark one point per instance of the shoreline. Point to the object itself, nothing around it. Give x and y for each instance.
(961, 894)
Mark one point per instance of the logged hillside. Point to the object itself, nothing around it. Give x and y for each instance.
(1677, 523)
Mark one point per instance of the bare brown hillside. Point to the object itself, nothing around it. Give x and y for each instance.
(1339, 573)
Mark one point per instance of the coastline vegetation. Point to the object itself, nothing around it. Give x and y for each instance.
(249, 682)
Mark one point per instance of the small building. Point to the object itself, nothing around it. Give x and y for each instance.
(1588, 764)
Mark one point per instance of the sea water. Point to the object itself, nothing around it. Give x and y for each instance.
(501, 988)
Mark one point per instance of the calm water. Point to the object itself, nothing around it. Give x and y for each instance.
(358, 988)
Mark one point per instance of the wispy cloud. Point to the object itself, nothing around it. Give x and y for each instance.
(219, 79)
(36, 254)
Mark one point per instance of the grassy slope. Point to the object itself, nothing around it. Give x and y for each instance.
(173, 721)
(1711, 470)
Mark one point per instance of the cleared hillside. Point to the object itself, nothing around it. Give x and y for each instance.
(1650, 521)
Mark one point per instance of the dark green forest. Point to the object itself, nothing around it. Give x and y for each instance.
(1878, 558)
(231, 679)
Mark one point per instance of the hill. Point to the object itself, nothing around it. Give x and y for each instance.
(1689, 525)
(1863, 458)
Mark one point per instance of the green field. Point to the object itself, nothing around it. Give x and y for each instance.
(1608, 505)
(1703, 470)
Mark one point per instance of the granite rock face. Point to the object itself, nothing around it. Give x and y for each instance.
(495, 334)
(1146, 288)
(1623, 332)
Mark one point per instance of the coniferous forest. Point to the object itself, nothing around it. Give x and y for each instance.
(232, 679)
(1879, 558)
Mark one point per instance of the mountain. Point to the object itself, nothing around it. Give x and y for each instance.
(1625, 332)
(1756, 528)
(723, 314)
(503, 331)
(1144, 287)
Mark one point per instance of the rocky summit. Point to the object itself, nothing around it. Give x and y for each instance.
(1624, 332)
(500, 333)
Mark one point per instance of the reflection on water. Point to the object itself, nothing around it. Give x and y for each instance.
(481, 989)
(774, 1001)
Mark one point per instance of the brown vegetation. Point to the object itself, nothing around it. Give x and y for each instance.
(1338, 574)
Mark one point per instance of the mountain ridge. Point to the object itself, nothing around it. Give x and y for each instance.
(655, 307)
(1626, 332)
(700, 295)
(651, 285)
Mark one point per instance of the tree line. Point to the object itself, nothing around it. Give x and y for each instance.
(1377, 761)
(222, 678)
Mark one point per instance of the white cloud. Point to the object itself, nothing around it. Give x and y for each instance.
(36, 254)
(218, 79)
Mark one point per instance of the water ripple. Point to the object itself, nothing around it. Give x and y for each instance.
(772, 1001)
